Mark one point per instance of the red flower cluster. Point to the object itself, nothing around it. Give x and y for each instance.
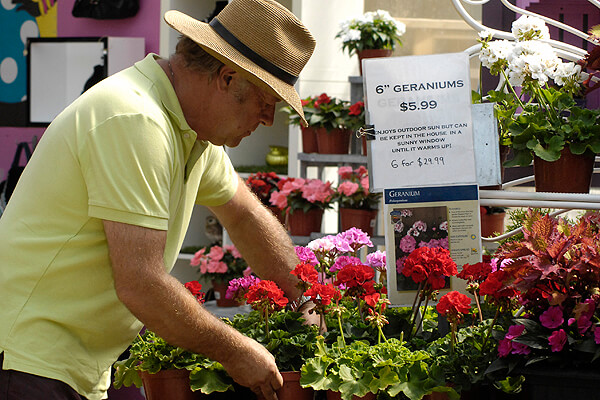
(322, 99)
(307, 274)
(496, 288)
(356, 108)
(195, 288)
(322, 295)
(431, 265)
(263, 184)
(453, 305)
(476, 272)
(266, 295)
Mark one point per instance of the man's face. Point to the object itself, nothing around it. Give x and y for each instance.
(248, 106)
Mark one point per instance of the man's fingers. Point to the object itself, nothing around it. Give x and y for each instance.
(268, 393)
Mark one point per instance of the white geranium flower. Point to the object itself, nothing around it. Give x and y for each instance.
(400, 27)
(352, 34)
(486, 35)
(567, 72)
(496, 54)
(324, 244)
(529, 28)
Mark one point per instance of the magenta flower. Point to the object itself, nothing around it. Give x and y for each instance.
(552, 317)
(519, 348)
(597, 334)
(306, 255)
(514, 332)
(557, 340)
(504, 347)
(342, 261)
(238, 287)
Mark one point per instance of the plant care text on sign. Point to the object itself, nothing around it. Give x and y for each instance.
(421, 109)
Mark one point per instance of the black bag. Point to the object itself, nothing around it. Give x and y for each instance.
(105, 9)
(8, 186)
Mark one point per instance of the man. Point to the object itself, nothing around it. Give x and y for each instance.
(99, 215)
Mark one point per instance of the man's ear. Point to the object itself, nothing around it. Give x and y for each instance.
(225, 76)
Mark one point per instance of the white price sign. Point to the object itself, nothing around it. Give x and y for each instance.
(421, 109)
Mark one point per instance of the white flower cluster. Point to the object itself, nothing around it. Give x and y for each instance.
(350, 29)
(528, 59)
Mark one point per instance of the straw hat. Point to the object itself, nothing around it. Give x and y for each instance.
(259, 38)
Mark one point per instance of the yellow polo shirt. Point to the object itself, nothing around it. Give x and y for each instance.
(122, 152)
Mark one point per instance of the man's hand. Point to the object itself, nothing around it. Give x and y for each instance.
(253, 366)
(311, 318)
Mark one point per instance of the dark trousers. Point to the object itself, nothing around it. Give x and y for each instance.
(16, 385)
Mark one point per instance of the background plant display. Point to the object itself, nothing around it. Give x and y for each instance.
(372, 30)
(262, 184)
(353, 189)
(302, 194)
(324, 111)
(220, 263)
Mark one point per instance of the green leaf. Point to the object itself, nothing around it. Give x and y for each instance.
(126, 374)
(210, 380)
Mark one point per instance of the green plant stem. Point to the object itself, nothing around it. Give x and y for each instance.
(380, 335)
(339, 318)
(267, 323)
(452, 336)
(512, 89)
(321, 322)
(487, 335)
(414, 311)
(549, 110)
(478, 305)
(416, 327)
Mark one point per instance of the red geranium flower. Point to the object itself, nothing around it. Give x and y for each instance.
(322, 99)
(353, 275)
(495, 287)
(453, 305)
(306, 273)
(476, 272)
(322, 295)
(266, 295)
(195, 288)
(356, 108)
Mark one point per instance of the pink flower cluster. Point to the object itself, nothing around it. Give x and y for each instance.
(213, 261)
(309, 190)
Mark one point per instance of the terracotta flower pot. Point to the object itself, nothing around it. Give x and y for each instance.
(571, 173)
(220, 289)
(492, 224)
(336, 141)
(303, 224)
(372, 53)
(291, 389)
(309, 140)
(364, 220)
(168, 384)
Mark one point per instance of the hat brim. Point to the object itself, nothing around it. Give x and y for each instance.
(205, 36)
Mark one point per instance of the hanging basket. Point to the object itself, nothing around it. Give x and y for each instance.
(571, 173)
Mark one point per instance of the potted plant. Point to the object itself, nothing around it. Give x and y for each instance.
(373, 34)
(550, 129)
(168, 371)
(553, 341)
(492, 220)
(358, 206)
(303, 201)
(220, 264)
(331, 121)
(262, 184)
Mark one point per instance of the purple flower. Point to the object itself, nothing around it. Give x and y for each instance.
(400, 264)
(504, 347)
(557, 340)
(519, 348)
(407, 244)
(342, 261)
(597, 334)
(376, 260)
(552, 317)
(514, 332)
(306, 255)
(239, 286)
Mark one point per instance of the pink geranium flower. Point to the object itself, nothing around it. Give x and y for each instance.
(347, 188)
(408, 244)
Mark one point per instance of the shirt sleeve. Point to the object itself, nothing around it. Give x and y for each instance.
(219, 180)
(127, 162)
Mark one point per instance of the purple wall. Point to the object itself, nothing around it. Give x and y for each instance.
(145, 24)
